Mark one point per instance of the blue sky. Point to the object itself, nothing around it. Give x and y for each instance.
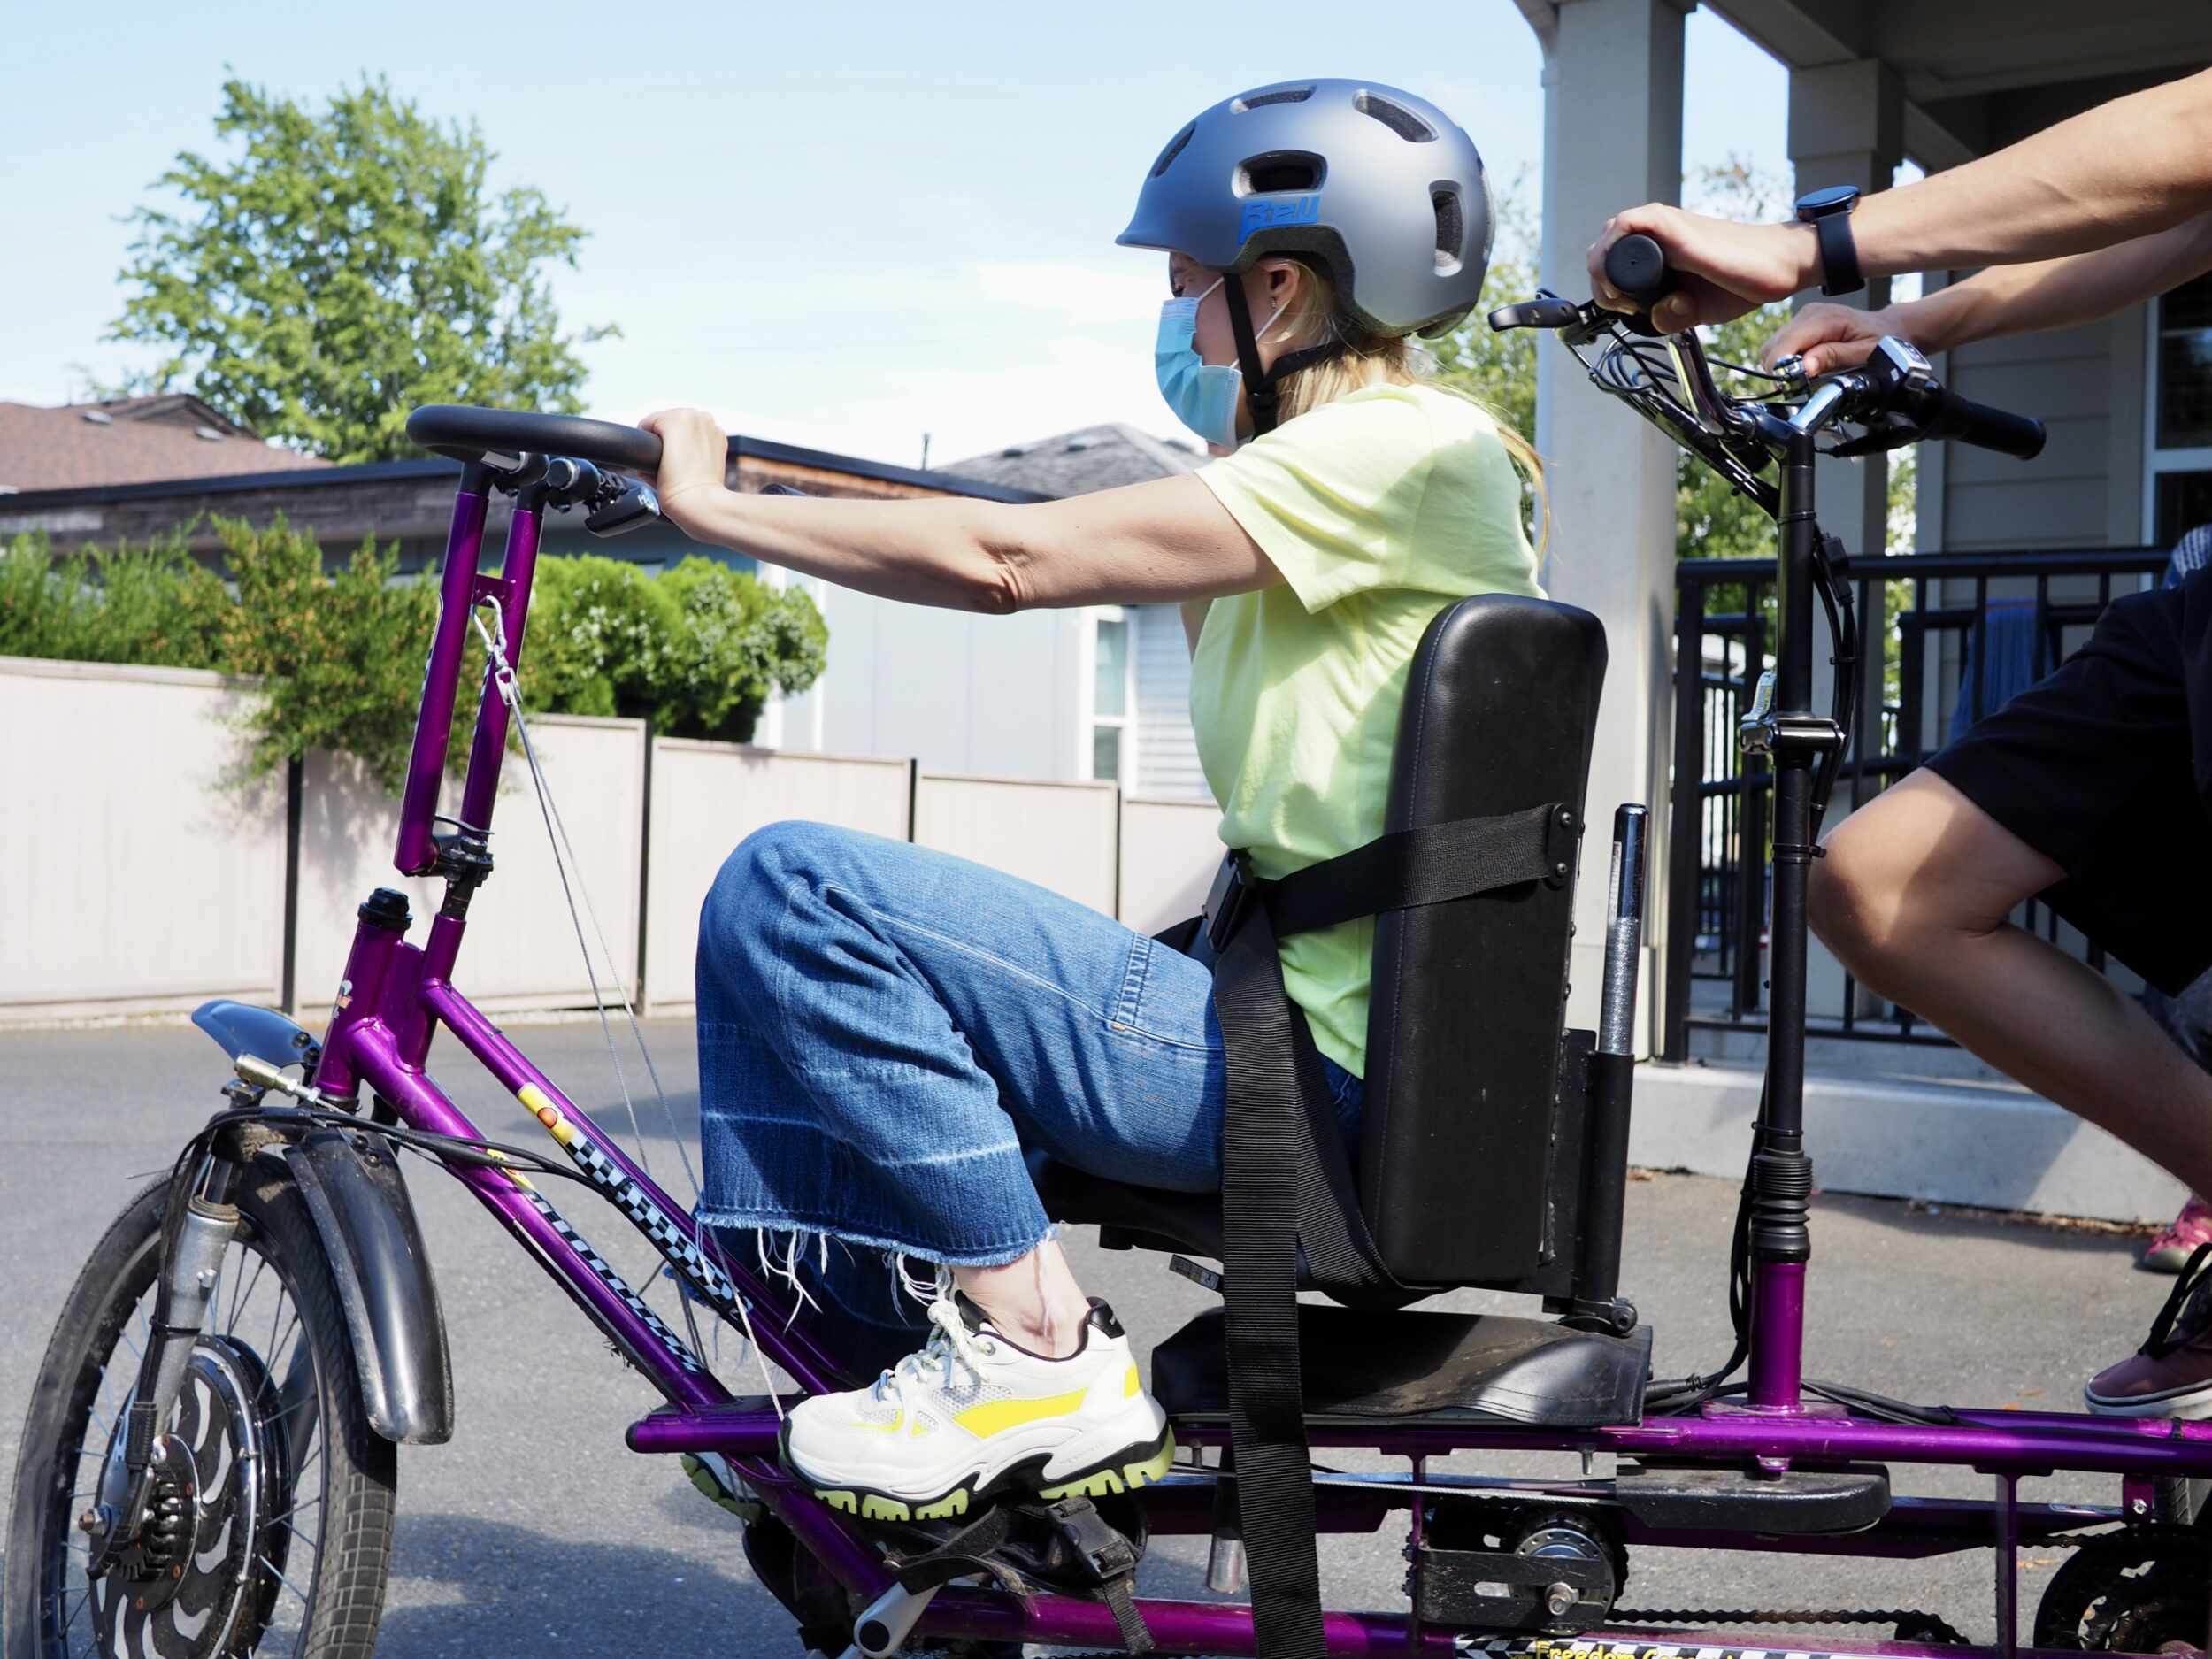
(840, 225)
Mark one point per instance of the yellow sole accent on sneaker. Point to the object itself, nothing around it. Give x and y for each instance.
(847, 1502)
(1106, 1482)
(875, 1509)
(944, 1508)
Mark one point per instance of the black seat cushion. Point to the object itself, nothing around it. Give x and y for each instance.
(1362, 1366)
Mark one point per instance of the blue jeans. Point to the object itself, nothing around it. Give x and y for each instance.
(887, 1033)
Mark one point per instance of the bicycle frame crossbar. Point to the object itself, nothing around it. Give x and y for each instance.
(395, 996)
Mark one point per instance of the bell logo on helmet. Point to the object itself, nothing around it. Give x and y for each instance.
(1297, 210)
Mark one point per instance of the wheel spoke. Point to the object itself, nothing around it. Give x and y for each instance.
(243, 1291)
(285, 1514)
(276, 1350)
(281, 1579)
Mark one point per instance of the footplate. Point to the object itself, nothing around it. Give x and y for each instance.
(1795, 1502)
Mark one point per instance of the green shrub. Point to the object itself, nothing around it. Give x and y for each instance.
(739, 640)
(340, 652)
(130, 604)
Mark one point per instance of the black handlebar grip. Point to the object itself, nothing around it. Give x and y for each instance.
(1966, 421)
(1637, 265)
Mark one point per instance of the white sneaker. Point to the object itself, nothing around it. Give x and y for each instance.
(972, 1413)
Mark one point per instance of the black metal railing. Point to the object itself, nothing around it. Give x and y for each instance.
(1947, 637)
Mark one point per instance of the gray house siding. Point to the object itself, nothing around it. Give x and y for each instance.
(2085, 489)
(1167, 755)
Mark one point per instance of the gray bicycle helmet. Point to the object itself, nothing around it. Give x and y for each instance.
(1381, 188)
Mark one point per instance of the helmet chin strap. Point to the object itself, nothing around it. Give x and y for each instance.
(1260, 396)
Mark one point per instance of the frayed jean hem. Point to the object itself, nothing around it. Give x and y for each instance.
(778, 1223)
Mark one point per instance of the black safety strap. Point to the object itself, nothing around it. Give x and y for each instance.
(1287, 1189)
(1260, 396)
(1431, 863)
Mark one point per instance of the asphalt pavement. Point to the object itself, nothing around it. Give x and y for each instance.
(536, 1531)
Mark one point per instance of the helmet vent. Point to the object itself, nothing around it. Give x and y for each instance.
(1396, 117)
(1174, 149)
(1279, 170)
(1281, 95)
(1451, 226)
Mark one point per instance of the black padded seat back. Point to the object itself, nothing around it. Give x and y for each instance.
(1469, 997)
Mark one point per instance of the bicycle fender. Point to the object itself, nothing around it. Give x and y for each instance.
(366, 1221)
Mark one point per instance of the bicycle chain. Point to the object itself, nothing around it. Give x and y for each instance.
(1912, 1626)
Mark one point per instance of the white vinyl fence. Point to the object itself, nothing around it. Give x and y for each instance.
(707, 797)
(521, 950)
(140, 879)
(137, 883)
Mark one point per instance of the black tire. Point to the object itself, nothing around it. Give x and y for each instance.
(327, 1606)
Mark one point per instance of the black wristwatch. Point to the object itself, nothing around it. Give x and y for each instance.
(1829, 213)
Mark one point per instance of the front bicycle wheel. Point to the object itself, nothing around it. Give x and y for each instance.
(274, 1505)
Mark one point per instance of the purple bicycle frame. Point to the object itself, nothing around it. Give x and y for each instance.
(395, 994)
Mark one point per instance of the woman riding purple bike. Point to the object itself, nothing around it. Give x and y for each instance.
(886, 1032)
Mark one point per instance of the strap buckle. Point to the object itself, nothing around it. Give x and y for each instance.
(1228, 900)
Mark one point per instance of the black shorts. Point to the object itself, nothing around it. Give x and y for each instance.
(2103, 768)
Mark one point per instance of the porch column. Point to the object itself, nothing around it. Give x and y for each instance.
(1847, 126)
(1612, 139)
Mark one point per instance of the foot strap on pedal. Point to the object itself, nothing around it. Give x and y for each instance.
(1065, 1545)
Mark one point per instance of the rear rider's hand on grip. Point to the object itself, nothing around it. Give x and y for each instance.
(1722, 270)
(1826, 338)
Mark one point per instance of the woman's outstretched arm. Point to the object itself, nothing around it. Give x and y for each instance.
(1168, 540)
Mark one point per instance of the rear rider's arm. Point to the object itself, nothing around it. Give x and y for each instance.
(1168, 540)
(2135, 167)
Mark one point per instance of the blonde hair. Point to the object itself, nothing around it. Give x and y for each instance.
(1371, 359)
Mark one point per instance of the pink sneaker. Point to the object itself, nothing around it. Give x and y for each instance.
(2170, 1250)
(2170, 1375)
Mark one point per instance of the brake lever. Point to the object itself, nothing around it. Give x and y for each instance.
(1545, 310)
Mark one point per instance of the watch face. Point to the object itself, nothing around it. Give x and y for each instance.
(1827, 200)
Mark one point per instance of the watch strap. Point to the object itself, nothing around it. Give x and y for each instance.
(1839, 272)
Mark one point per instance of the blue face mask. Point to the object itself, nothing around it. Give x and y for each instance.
(1203, 395)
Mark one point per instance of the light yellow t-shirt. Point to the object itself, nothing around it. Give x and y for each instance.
(1379, 508)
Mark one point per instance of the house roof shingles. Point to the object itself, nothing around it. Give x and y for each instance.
(130, 440)
(1076, 462)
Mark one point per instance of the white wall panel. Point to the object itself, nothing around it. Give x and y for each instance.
(520, 951)
(135, 881)
(1060, 836)
(1170, 850)
(707, 797)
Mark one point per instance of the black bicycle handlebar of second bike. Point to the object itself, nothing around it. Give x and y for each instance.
(1636, 266)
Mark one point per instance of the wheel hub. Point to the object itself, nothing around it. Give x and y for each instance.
(176, 1591)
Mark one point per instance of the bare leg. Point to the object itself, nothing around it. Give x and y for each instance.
(1914, 896)
(1034, 1300)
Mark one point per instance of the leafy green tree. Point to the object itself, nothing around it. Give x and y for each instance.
(348, 264)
